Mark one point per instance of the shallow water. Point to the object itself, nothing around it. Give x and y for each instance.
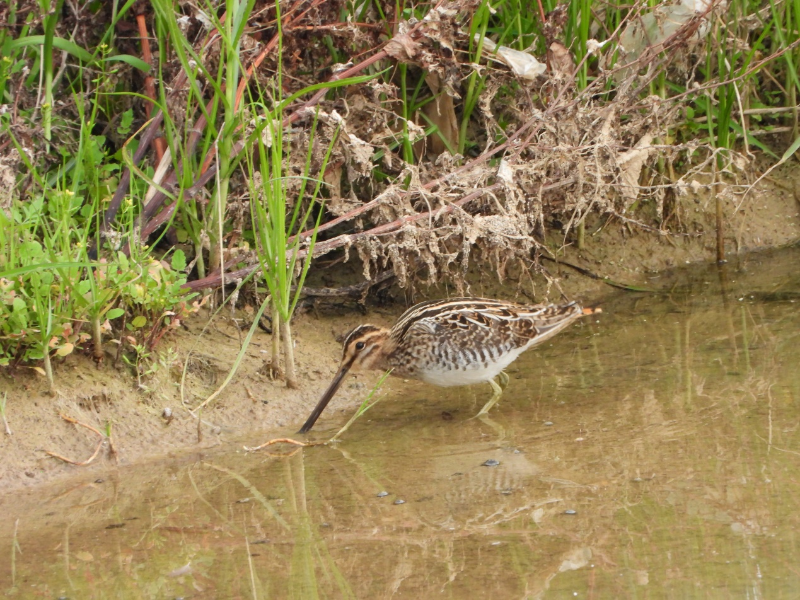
(652, 451)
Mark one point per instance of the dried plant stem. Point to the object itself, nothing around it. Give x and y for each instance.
(75, 462)
(720, 230)
(280, 441)
(326, 246)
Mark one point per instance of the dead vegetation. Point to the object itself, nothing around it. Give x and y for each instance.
(547, 153)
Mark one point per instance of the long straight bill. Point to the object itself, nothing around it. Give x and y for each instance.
(326, 397)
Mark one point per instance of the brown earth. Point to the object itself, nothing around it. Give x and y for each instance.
(254, 406)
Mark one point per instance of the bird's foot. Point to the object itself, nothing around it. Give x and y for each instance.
(498, 391)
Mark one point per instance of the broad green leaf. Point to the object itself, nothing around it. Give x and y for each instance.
(28, 250)
(115, 313)
(84, 286)
(178, 260)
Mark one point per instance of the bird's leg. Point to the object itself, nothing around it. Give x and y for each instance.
(503, 377)
(498, 391)
(498, 429)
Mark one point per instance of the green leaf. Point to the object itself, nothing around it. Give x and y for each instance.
(19, 304)
(84, 286)
(139, 321)
(330, 85)
(125, 123)
(31, 246)
(178, 260)
(133, 61)
(60, 43)
(791, 150)
(115, 313)
(30, 250)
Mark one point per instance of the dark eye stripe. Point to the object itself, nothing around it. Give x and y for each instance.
(359, 332)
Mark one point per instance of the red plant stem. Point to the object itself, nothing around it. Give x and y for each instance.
(541, 12)
(288, 22)
(149, 81)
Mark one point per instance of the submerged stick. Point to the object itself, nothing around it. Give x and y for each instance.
(280, 441)
(606, 280)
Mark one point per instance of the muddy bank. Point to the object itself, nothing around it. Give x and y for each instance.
(255, 405)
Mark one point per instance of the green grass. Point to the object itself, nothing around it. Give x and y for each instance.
(54, 297)
(74, 272)
(276, 227)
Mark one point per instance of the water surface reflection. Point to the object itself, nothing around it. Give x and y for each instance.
(650, 452)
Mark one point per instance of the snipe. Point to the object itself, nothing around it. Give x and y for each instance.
(460, 341)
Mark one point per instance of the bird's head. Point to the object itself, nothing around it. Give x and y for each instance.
(363, 348)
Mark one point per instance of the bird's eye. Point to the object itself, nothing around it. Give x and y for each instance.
(360, 345)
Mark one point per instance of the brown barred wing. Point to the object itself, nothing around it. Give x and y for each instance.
(535, 324)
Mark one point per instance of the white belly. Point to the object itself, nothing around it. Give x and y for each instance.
(475, 373)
